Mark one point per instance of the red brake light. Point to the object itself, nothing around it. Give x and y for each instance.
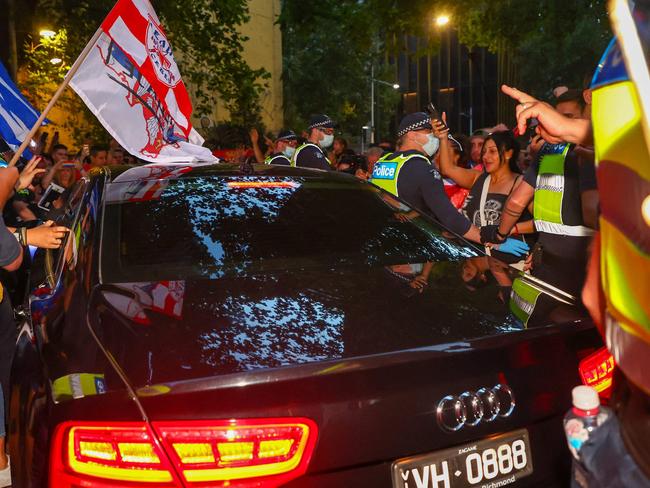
(262, 184)
(97, 454)
(273, 451)
(596, 370)
(268, 452)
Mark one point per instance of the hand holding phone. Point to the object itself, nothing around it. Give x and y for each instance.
(50, 195)
(435, 115)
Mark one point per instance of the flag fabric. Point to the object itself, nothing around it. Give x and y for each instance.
(17, 116)
(131, 82)
(144, 183)
(164, 297)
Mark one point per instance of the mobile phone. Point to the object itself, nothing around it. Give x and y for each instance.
(50, 194)
(435, 115)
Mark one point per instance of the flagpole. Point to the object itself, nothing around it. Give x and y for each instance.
(55, 97)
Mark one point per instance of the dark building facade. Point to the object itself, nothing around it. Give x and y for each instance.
(463, 83)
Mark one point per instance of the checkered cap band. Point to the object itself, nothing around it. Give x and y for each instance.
(321, 121)
(415, 121)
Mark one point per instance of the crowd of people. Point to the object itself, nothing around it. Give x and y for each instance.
(529, 201)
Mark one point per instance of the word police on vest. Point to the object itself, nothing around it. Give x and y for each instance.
(384, 171)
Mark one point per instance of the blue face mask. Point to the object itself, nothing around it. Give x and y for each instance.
(288, 151)
(431, 146)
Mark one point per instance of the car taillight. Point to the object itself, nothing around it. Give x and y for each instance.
(101, 454)
(596, 370)
(273, 451)
(232, 453)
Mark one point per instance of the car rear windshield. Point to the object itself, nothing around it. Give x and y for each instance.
(217, 226)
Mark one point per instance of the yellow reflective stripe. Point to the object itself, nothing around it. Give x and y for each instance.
(624, 272)
(616, 116)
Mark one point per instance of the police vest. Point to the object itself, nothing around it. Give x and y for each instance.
(386, 171)
(523, 299)
(294, 159)
(623, 172)
(277, 159)
(557, 208)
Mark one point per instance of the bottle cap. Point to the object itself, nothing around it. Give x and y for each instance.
(585, 398)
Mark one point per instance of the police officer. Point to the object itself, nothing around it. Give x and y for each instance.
(285, 147)
(408, 174)
(617, 455)
(556, 183)
(321, 136)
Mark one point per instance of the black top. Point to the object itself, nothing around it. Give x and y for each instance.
(278, 158)
(420, 185)
(494, 204)
(312, 156)
(9, 247)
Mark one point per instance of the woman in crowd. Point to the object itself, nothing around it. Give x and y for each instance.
(489, 189)
(339, 147)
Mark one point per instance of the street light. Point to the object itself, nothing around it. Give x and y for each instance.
(442, 20)
(47, 33)
(56, 60)
(373, 80)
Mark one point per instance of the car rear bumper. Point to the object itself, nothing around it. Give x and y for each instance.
(551, 465)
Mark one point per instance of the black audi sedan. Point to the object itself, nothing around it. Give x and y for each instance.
(271, 326)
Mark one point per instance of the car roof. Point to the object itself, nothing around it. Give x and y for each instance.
(134, 172)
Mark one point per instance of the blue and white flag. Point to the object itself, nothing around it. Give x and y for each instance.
(17, 116)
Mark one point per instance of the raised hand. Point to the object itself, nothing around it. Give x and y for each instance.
(29, 172)
(553, 126)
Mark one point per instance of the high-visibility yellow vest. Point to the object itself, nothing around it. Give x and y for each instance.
(523, 299)
(550, 193)
(300, 148)
(272, 159)
(623, 172)
(387, 169)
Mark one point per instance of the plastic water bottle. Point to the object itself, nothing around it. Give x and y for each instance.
(586, 416)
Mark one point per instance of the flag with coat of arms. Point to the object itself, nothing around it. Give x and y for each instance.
(131, 82)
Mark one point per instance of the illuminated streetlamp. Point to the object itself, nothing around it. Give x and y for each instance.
(47, 33)
(56, 60)
(442, 20)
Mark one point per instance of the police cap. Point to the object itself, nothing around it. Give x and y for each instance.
(321, 121)
(287, 135)
(414, 121)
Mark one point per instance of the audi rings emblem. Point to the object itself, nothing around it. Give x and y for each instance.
(472, 408)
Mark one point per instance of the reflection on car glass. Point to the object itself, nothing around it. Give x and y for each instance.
(210, 227)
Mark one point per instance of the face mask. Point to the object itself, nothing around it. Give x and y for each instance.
(288, 151)
(326, 141)
(431, 146)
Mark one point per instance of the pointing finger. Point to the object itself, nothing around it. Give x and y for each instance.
(518, 95)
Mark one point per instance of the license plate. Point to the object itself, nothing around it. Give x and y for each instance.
(495, 462)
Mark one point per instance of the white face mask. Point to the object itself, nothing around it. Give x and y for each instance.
(326, 141)
(288, 151)
(431, 146)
